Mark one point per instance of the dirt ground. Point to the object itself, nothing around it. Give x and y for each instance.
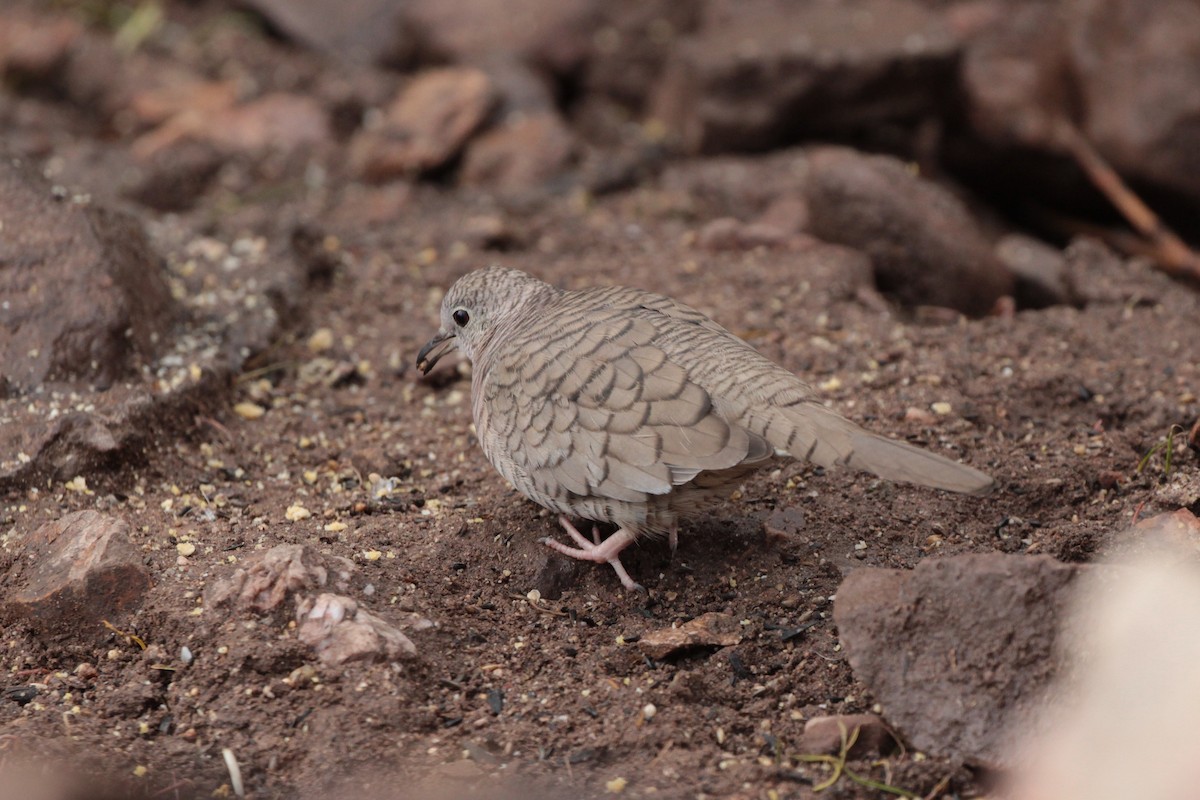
(532, 682)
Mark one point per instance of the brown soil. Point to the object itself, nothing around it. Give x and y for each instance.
(548, 697)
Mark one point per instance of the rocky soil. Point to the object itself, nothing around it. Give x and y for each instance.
(247, 550)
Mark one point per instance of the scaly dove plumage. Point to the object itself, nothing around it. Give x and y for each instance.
(619, 405)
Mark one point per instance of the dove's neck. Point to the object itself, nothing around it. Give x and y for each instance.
(531, 304)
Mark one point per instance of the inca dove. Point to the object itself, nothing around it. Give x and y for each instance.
(619, 405)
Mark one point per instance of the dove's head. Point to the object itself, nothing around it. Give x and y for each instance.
(478, 305)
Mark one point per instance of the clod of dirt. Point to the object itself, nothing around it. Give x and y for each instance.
(784, 523)
(427, 125)
(824, 735)
(923, 242)
(340, 631)
(82, 292)
(958, 648)
(73, 573)
(707, 630)
(266, 582)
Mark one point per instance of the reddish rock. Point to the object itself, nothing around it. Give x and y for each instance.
(73, 573)
(521, 153)
(427, 125)
(279, 122)
(269, 578)
(1125, 72)
(632, 42)
(923, 242)
(761, 73)
(83, 294)
(340, 631)
(707, 630)
(1138, 67)
(34, 47)
(177, 95)
(957, 648)
(727, 233)
(1017, 76)
(824, 736)
(555, 35)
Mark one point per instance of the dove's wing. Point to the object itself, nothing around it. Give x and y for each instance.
(596, 409)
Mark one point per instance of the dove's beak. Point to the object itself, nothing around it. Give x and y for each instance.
(437, 347)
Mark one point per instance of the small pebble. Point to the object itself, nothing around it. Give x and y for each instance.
(648, 711)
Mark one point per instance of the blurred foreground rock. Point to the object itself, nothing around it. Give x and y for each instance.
(1130, 696)
(74, 573)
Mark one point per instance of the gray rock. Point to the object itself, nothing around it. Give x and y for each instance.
(923, 242)
(82, 294)
(959, 648)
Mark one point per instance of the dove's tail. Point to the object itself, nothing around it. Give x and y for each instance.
(808, 430)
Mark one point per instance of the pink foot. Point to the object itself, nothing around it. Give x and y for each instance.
(606, 552)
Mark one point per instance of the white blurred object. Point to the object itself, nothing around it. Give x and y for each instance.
(1124, 723)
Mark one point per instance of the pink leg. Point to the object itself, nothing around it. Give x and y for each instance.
(606, 552)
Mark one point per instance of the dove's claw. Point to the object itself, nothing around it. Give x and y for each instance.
(602, 552)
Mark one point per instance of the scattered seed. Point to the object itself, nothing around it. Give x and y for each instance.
(297, 512)
(321, 340)
(616, 785)
(248, 410)
(185, 548)
(941, 408)
(648, 711)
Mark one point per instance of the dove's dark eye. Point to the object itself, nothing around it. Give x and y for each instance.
(461, 317)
